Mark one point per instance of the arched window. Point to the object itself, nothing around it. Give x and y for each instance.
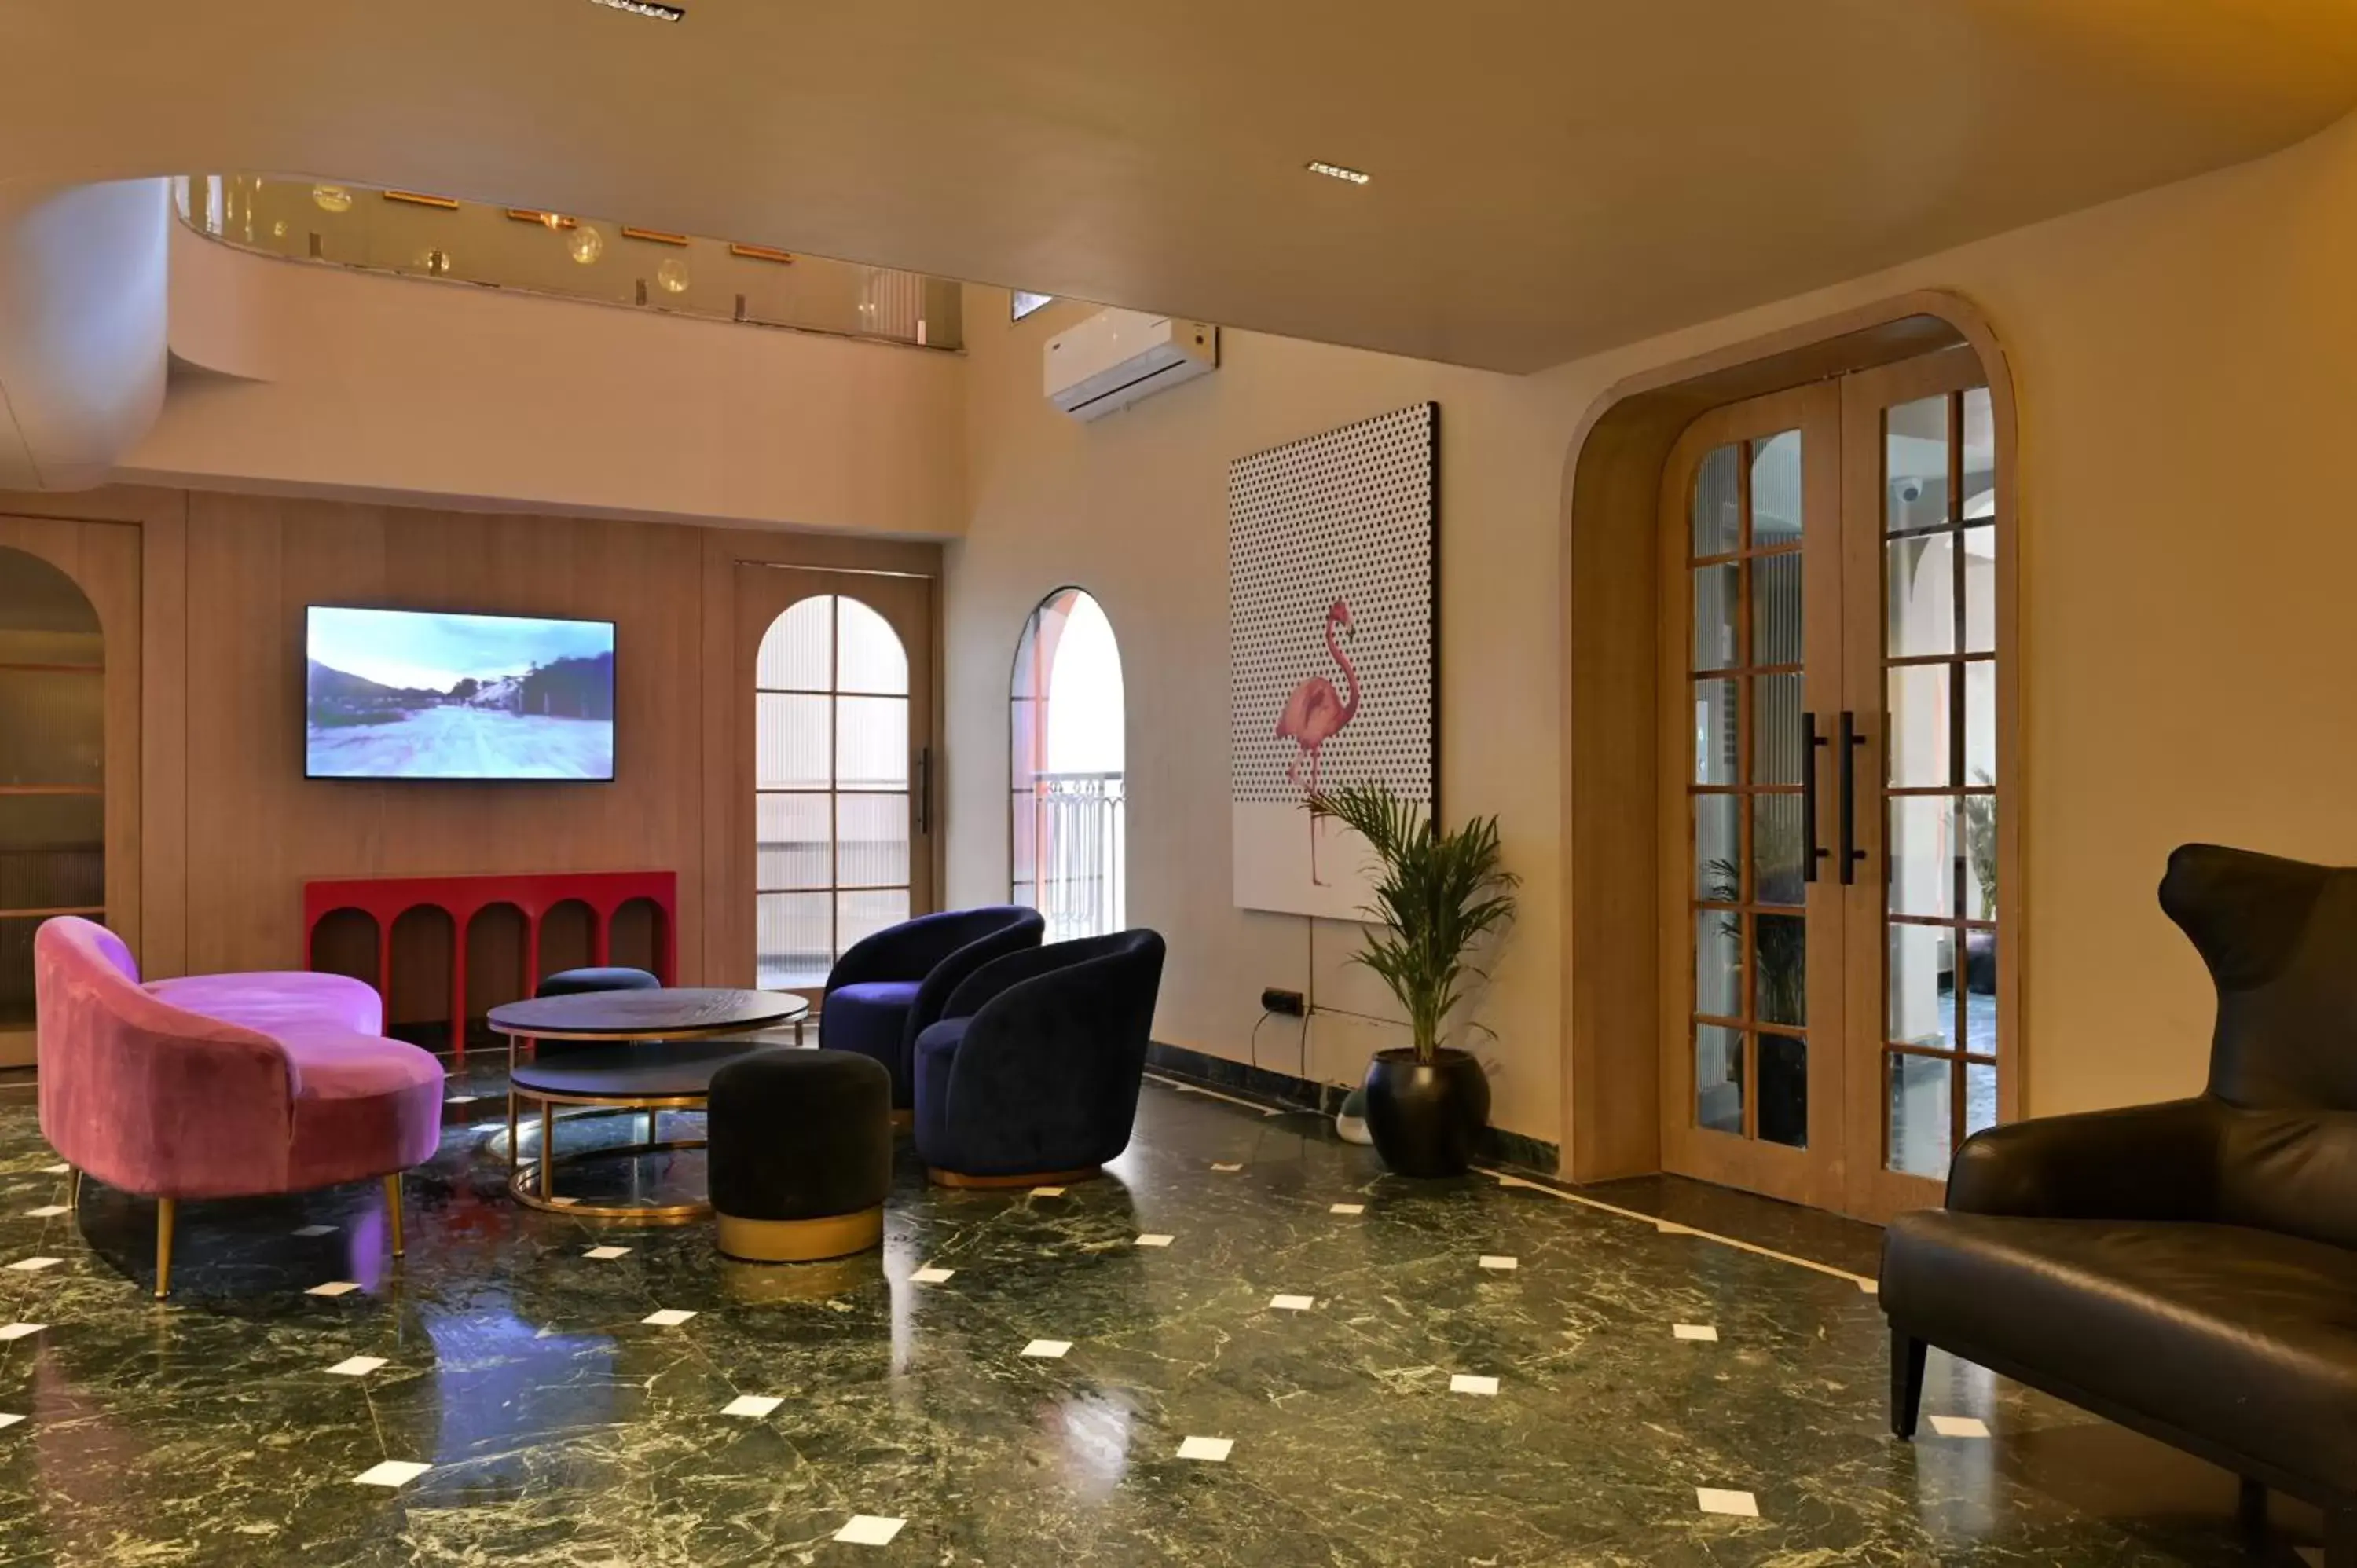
(1067, 768)
(52, 766)
(831, 787)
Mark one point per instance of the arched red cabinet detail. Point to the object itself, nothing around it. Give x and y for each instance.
(602, 893)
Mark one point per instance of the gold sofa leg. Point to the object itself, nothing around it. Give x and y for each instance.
(73, 1187)
(393, 1208)
(165, 1209)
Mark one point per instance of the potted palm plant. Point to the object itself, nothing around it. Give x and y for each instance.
(1437, 893)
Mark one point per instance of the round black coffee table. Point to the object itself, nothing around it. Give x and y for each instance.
(647, 1051)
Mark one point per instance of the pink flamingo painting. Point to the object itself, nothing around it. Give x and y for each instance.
(1315, 712)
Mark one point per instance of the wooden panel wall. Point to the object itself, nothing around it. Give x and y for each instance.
(231, 827)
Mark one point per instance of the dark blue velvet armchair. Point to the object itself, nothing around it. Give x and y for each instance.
(1031, 1072)
(885, 989)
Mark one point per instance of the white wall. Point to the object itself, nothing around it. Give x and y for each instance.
(2186, 363)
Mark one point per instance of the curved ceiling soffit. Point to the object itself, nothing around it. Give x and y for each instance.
(85, 284)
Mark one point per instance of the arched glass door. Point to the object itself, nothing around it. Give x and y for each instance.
(1066, 769)
(839, 775)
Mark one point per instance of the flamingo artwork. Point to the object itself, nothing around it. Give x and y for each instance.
(1315, 714)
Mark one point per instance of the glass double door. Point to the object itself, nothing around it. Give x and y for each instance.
(1834, 741)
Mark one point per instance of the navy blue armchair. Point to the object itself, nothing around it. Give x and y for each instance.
(1031, 1072)
(887, 988)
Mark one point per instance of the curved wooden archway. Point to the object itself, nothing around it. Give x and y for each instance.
(1611, 598)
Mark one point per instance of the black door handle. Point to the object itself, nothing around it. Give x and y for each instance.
(1850, 742)
(925, 789)
(1810, 741)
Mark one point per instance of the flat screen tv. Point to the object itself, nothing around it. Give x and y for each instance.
(407, 694)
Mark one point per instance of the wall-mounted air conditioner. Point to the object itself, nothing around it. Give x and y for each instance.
(1116, 356)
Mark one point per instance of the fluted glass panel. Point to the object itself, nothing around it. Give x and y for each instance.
(790, 747)
(794, 941)
(797, 649)
(868, 655)
(797, 845)
(863, 913)
(872, 831)
(871, 743)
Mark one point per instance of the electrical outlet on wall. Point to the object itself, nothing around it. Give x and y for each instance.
(1290, 1003)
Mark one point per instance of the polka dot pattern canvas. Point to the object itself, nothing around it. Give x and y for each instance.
(1333, 563)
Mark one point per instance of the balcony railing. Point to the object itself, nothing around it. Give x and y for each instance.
(1075, 863)
(569, 257)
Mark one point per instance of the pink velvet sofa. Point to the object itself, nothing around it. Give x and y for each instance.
(221, 1085)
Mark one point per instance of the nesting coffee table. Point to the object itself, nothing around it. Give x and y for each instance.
(634, 1051)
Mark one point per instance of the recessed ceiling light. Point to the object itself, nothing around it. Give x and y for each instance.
(1331, 171)
(653, 9)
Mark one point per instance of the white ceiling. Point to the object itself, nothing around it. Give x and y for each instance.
(1551, 176)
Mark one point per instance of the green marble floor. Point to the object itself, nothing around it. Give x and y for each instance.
(558, 1426)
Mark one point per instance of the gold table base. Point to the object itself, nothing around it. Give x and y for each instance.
(539, 1173)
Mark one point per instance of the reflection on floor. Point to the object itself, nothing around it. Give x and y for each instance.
(1293, 1360)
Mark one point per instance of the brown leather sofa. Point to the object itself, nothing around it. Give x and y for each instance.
(2189, 1269)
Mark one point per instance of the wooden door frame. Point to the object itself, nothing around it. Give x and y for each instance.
(1811, 1173)
(1610, 595)
(725, 955)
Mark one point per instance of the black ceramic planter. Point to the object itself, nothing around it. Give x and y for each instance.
(1426, 1119)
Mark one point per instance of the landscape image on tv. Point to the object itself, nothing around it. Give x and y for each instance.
(401, 694)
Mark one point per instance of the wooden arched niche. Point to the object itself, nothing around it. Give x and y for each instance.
(69, 841)
(1612, 627)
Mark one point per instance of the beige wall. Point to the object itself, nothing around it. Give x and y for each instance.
(2186, 363)
(1132, 507)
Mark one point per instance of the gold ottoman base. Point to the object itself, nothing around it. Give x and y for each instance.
(800, 1241)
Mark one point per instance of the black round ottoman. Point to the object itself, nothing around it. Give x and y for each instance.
(612, 977)
(799, 1155)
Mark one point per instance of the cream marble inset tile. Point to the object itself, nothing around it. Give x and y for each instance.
(314, 1231)
(35, 1266)
(47, 1212)
(1047, 1192)
(1292, 1303)
(931, 1276)
(19, 1330)
(1702, 1331)
(669, 1317)
(59, 1169)
(564, 1202)
(356, 1366)
(334, 1287)
(607, 1254)
(1048, 1349)
(1214, 1450)
(1225, 1166)
(392, 1473)
(1348, 1208)
(1960, 1426)
(7, 1420)
(1153, 1240)
(1467, 1383)
(1711, 1500)
(1500, 1262)
(869, 1530)
(1871, 1287)
(752, 1405)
